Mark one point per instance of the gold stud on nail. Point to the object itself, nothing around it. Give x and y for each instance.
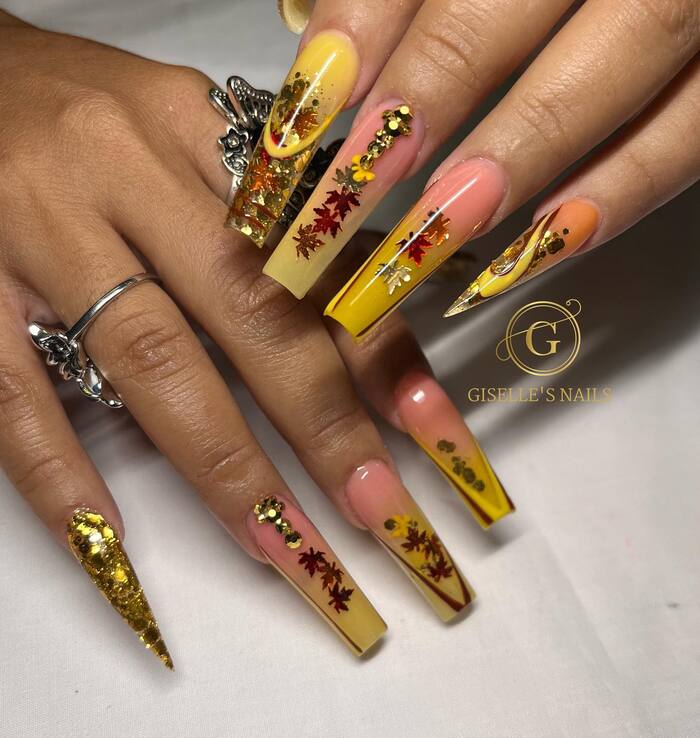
(270, 510)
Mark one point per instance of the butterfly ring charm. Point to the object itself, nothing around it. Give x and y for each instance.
(246, 110)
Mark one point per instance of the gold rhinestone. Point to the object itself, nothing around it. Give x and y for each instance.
(293, 540)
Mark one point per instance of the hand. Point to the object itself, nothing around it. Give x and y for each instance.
(109, 161)
(428, 64)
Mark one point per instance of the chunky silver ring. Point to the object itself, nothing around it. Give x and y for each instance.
(64, 348)
(246, 109)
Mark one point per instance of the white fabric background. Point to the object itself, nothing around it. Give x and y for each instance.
(588, 616)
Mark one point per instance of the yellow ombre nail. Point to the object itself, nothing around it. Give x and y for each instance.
(315, 90)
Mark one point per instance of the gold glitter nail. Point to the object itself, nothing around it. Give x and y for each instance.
(270, 510)
(95, 544)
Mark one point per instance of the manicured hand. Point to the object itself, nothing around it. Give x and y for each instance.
(620, 72)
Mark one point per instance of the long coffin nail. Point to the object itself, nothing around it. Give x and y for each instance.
(297, 550)
(437, 427)
(385, 506)
(550, 240)
(447, 215)
(373, 158)
(95, 544)
(316, 88)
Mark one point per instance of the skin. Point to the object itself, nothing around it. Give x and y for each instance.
(131, 161)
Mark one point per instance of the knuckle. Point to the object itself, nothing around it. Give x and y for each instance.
(544, 112)
(17, 394)
(42, 470)
(330, 430)
(228, 460)
(148, 348)
(253, 304)
(450, 43)
(679, 20)
(95, 115)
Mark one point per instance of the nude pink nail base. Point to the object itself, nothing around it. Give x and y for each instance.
(385, 506)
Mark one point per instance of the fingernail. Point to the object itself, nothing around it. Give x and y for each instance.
(377, 153)
(554, 237)
(317, 86)
(94, 542)
(449, 212)
(385, 506)
(438, 428)
(291, 543)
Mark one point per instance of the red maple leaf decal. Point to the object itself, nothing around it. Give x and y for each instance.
(330, 574)
(326, 222)
(343, 201)
(415, 539)
(417, 246)
(339, 597)
(440, 570)
(432, 548)
(312, 560)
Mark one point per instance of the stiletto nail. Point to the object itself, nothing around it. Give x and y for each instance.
(373, 158)
(95, 544)
(318, 85)
(551, 239)
(291, 543)
(438, 428)
(385, 506)
(447, 215)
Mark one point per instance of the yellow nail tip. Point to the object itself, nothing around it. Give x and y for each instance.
(96, 546)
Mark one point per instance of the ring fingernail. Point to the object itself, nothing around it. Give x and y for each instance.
(317, 86)
(291, 543)
(449, 212)
(374, 157)
(95, 544)
(385, 506)
(435, 424)
(554, 237)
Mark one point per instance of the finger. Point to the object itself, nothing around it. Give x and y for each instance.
(391, 370)
(450, 58)
(151, 357)
(545, 123)
(286, 358)
(43, 458)
(339, 58)
(656, 158)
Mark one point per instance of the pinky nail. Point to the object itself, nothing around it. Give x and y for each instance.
(435, 424)
(295, 548)
(553, 238)
(385, 506)
(380, 149)
(95, 544)
(447, 215)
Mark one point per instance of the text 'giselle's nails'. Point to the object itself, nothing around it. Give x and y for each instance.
(385, 506)
(95, 545)
(435, 424)
(449, 212)
(554, 237)
(297, 550)
(317, 86)
(380, 149)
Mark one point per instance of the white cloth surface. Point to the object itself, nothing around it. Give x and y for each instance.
(588, 618)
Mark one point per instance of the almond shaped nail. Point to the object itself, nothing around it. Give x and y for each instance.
(385, 506)
(435, 424)
(317, 86)
(96, 546)
(292, 544)
(554, 237)
(377, 153)
(449, 213)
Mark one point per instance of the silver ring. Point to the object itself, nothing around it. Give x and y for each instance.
(64, 348)
(246, 109)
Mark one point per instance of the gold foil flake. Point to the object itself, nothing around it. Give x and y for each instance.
(95, 544)
(270, 510)
(394, 276)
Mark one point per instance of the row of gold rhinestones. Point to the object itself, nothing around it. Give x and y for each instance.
(395, 124)
(270, 510)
